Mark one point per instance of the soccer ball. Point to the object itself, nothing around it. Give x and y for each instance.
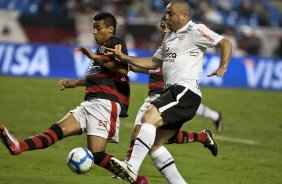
(80, 160)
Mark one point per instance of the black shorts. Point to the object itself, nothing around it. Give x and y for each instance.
(177, 105)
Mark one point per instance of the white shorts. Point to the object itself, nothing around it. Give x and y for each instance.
(144, 107)
(99, 117)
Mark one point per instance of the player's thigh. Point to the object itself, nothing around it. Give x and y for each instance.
(102, 119)
(70, 126)
(96, 143)
(152, 116)
(144, 108)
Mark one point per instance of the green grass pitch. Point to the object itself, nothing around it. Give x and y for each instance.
(250, 150)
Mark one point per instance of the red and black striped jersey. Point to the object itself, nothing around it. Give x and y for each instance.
(156, 84)
(105, 84)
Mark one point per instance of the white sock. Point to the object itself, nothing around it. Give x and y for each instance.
(207, 112)
(142, 145)
(165, 164)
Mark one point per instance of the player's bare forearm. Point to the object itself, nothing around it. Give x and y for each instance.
(80, 82)
(147, 63)
(138, 69)
(225, 54)
(71, 83)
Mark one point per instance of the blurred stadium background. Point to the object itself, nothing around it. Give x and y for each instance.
(37, 46)
(28, 27)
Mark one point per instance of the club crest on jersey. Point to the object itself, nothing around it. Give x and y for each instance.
(181, 36)
(102, 49)
(123, 79)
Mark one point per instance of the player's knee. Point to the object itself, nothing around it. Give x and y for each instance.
(152, 116)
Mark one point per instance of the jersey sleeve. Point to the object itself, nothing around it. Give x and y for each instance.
(205, 37)
(159, 53)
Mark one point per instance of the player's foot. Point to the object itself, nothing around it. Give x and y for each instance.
(210, 142)
(218, 123)
(141, 180)
(11, 143)
(125, 169)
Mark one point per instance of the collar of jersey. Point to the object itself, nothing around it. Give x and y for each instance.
(189, 25)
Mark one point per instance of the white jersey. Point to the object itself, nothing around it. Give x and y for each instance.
(182, 54)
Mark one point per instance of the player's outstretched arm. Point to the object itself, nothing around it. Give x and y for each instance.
(105, 62)
(138, 69)
(225, 53)
(150, 63)
(71, 83)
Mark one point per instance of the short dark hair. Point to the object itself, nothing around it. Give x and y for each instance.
(108, 18)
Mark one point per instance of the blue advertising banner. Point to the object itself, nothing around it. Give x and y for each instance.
(59, 61)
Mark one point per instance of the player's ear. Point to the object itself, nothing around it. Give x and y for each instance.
(111, 29)
(183, 16)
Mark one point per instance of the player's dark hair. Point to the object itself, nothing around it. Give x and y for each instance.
(108, 18)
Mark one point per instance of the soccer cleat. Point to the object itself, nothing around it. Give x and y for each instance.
(218, 123)
(116, 177)
(141, 180)
(11, 143)
(125, 169)
(210, 142)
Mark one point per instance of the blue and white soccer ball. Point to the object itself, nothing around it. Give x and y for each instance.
(80, 160)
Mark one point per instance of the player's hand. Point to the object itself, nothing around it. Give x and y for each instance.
(116, 52)
(218, 72)
(87, 52)
(67, 83)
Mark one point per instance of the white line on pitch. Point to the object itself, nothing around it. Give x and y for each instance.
(236, 140)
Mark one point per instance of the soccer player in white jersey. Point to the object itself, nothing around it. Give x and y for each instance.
(181, 58)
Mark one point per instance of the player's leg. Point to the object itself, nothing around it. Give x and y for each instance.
(65, 127)
(175, 106)
(215, 116)
(183, 136)
(163, 159)
(102, 125)
(205, 137)
(137, 123)
(97, 146)
(142, 145)
(134, 134)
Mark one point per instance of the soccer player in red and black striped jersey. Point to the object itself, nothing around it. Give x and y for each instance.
(106, 99)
